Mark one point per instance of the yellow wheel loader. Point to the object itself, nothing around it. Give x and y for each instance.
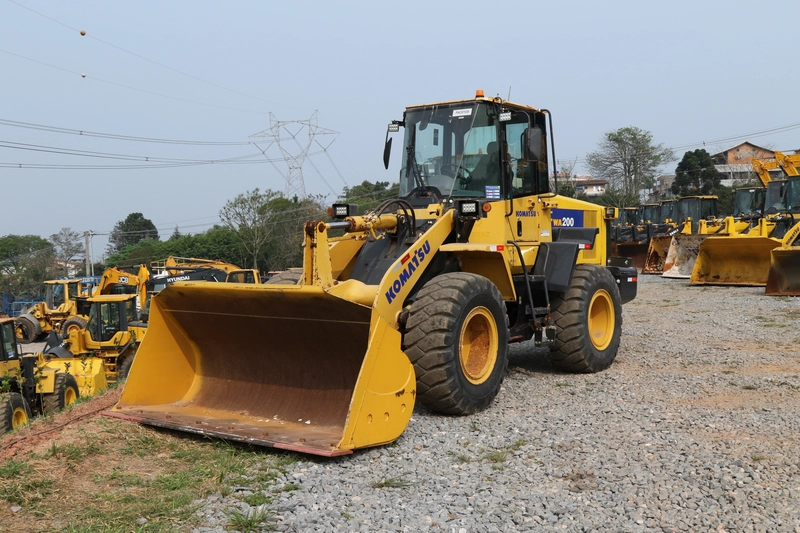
(698, 219)
(659, 243)
(417, 299)
(112, 334)
(783, 278)
(744, 257)
(60, 303)
(41, 383)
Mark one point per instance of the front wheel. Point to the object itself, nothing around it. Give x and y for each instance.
(457, 339)
(588, 319)
(15, 412)
(25, 330)
(287, 277)
(65, 393)
(73, 323)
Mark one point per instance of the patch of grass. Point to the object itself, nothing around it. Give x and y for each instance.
(111, 482)
(256, 499)
(290, 487)
(750, 387)
(728, 372)
(497, 456)
(473, 426)
(252, 520)
(757, 458)
(398, 482)
(563, 384)
(13, 468)
(347, 516)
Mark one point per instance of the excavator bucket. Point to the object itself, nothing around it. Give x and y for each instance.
(784, 272)
(291, 367)
(733, 260)
(637, 251)
(682, 255)
(657, 254)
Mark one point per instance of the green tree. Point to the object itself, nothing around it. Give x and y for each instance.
(629, 160)
(251, 217)
(25, 263)
(696, 174)
(133, 229)
(285, 247)
(368, 195)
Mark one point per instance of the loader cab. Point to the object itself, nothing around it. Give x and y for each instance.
(649, 214)
(482, 148)
(9, 342)
(60, 295)
(774, 201)
(750, 203)
(791, 195)
(110, 315)
(668, 211)
(695, 208)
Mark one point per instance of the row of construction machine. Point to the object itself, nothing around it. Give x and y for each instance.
(42, 383)
(62, 308)
(635, 229)
(415, 300)
(746, 257)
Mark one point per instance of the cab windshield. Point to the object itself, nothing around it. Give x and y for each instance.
(792, 195)
(454, 148)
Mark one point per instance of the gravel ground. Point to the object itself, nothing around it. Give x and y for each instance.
(693, 428)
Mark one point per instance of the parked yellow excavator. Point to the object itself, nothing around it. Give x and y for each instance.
(743, 258)
(417, 300)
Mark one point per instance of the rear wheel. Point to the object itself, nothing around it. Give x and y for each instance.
(588, 318)
(125, 368)
(65, 393)
(74, 323)
(25, 330)
(14, 412)
(457, 339)
(288, 277)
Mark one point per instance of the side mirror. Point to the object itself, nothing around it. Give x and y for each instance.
(533, 144)
(387, 151)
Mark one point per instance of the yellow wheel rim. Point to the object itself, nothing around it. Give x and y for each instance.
(601, 319)
(70, 396)
(478, 345)
(19, 418)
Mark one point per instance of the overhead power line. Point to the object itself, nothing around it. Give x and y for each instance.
(152, 61)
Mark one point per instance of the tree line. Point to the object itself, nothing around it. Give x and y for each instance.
(258, 229)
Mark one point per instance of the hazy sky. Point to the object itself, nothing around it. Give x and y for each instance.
(689, 72)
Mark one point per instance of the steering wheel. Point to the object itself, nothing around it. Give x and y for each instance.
(463, 175)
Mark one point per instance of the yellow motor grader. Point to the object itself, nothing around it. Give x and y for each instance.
(417, 299)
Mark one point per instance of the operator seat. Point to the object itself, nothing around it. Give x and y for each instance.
(487, 169)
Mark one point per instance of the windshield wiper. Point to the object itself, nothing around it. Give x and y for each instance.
(411, 160)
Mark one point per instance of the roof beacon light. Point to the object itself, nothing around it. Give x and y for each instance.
(479, 93)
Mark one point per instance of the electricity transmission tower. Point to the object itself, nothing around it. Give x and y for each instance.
(277, 133)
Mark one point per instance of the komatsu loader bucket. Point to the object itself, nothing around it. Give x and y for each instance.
(293, 367)
(682, 255)
(784, 272)
(657, 254)
(733, 260)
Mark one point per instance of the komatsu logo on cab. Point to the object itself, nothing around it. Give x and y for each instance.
(526, 213)
(408, 265)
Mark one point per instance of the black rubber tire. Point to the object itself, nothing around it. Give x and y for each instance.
(287, 277)
(433, 339)
(125, 367)
(65, 393)
(15, 412)
(25, 330)
(575, 350)
(73, 322)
